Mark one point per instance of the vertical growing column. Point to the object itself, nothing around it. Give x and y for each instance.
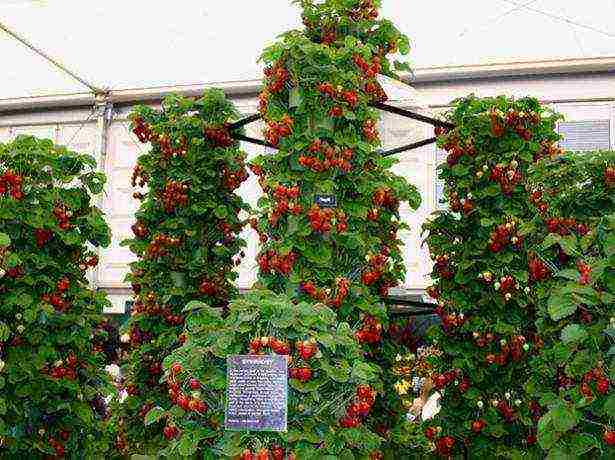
(328, 224)
(185, 240)
(51, 377)
(330, 215)
(481, 276)
(573, 268)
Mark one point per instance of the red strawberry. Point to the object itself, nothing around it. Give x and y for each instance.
(176, 368)
(277, 452)
(478, 425)
(609, 437)
(602, 386)
(247, 455)
(263, 454)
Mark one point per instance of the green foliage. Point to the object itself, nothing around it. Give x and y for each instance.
(482, 281)
(316, 106)
(51, 377)
(185, 240)
(319, 83)
(574, 373)
(315, 406)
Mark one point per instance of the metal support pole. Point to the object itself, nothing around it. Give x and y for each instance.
(405, 148)
(104, 110)
(244, 121)
(413, 115)
(241, 137)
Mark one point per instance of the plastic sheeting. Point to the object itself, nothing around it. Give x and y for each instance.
(142, 43)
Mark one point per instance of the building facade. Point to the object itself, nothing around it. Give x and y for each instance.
(582, 90)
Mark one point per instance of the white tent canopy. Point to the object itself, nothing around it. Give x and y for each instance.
(141, 43)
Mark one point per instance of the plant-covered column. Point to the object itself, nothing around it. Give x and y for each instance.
(573, 269)
(51, 379)
(330, 215)
(328, 226)
(331, 387)
(481, 276)
(185, 240)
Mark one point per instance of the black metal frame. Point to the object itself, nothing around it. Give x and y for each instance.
(419, 308)
(233, 127)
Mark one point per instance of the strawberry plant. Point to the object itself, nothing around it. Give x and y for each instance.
(330, 214)
(482, 281)
(331, 387)
(329, 217)
(51, 378)
(185, 238)
(573, 269)
(327, 224)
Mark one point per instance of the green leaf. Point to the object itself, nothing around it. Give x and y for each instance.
(573, 333)
(550, 240)
(154, 415)
(569, 245)
(402, 66)
(582, 443)
(363, 372)
(221, 212)
(564, 418)
(569, 273)
(4, 240)
(179, 279)
(295, 98)
(5, 332)
(609, 405)
(187, 445)
(460, 170)
(560, 306)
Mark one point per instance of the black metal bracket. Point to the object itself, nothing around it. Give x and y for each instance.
(244, 121)
(418, 308)
(379, 105)
(251, 140)
(413, 115)
(405, 148)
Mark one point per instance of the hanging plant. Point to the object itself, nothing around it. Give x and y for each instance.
(51, 378)
(482, 285)
(185, 240)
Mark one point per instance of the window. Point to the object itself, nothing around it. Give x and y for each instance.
(585, 135)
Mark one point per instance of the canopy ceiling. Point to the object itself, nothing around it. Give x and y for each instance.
(143, 43)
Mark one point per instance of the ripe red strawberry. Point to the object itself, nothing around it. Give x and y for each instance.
(277, 453)
(602, 386)
(306, 350)
(609, 437)
(336, 111)
(63, 284)
(170, 432)
(478, 426)
(351, 97)
(247, 455)
(430, 432)
(263, 454)
(195, 384)
(176, 368)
